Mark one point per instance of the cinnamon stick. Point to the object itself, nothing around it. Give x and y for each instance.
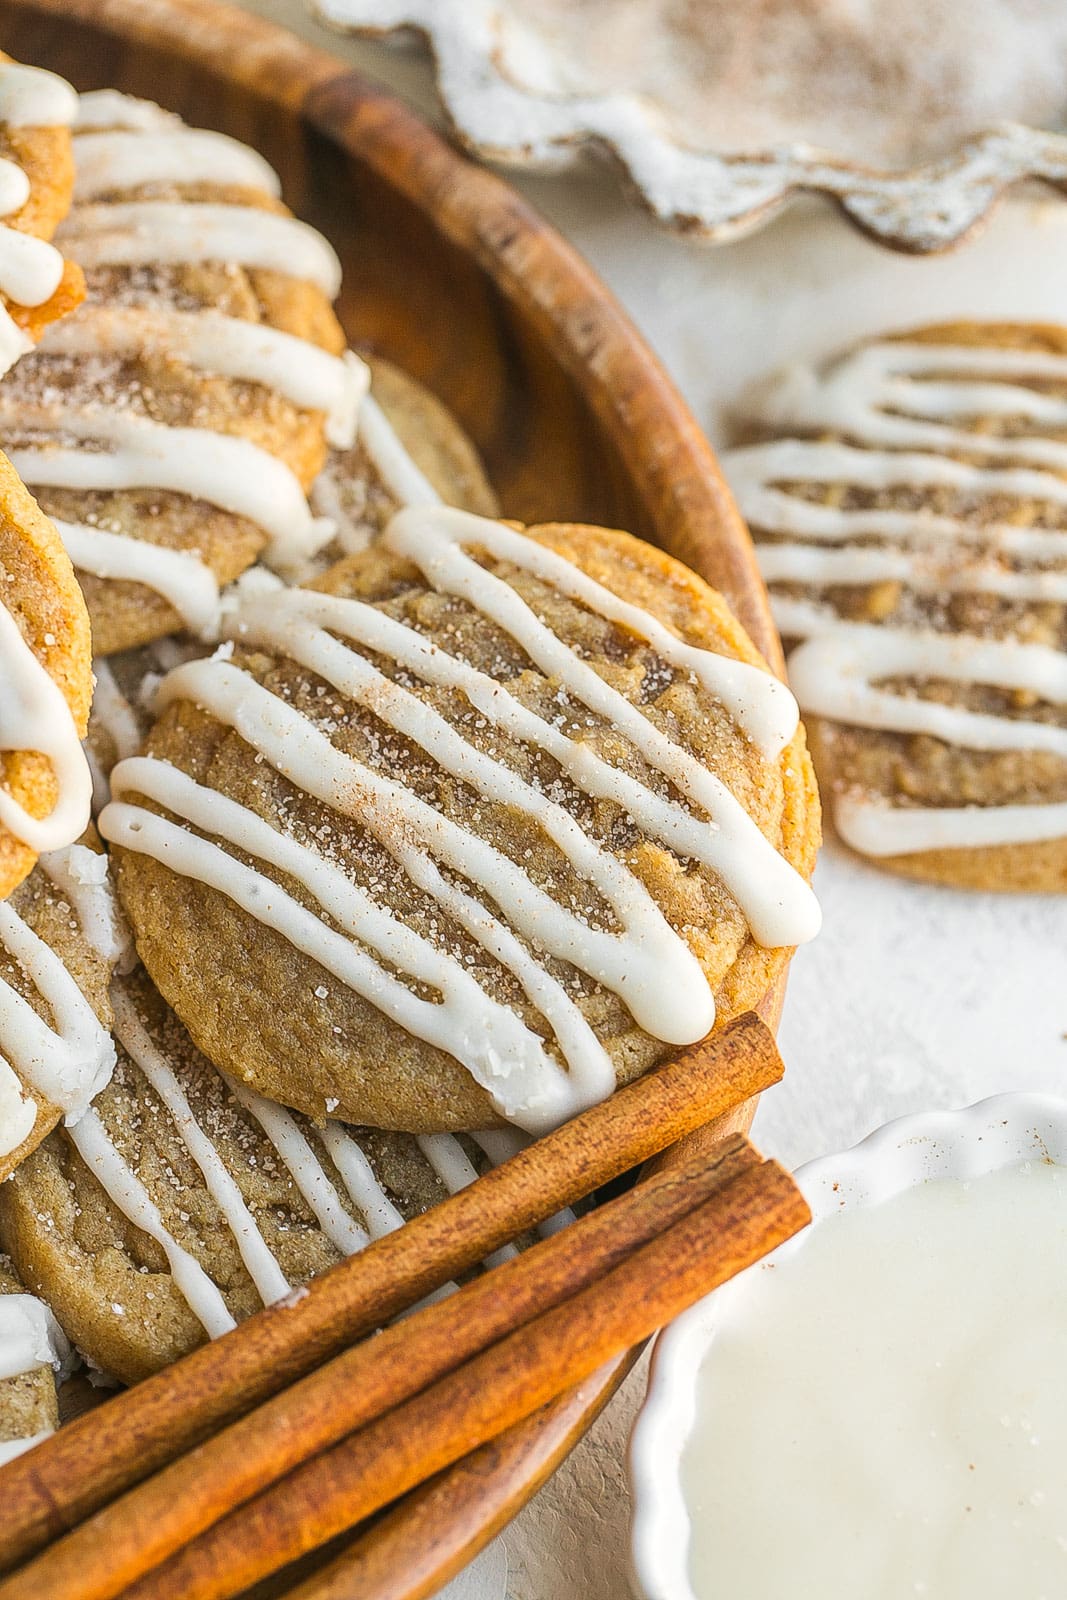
(433, 1532)
(86, 1464)
(478, 1400)
(134, 1533)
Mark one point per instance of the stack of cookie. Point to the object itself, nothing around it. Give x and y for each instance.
(427, 830)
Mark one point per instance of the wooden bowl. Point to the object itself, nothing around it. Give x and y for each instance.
(451, 275)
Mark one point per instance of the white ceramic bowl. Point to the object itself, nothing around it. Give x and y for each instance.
(982, 1138)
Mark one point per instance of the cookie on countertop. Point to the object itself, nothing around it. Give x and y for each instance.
(61, 937)
(507, 816)
(34, 1353)
(46, 679)
(174, 424)
(36, 183)
(910, 513)
(182, 1203)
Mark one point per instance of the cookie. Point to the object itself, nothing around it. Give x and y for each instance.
(173, 425)
(33, 1353)
(911, 517)
(36, 182)
(182, 1203)
(60, 939)
(45, 687)
(485, 824)
(409, 450)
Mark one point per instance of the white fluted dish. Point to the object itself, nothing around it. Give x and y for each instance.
(970, 1143)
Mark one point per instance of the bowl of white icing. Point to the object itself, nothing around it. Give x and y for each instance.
(878, 1410)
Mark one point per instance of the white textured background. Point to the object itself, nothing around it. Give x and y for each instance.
(912, 997)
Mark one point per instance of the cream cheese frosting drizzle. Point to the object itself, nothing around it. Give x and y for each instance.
(35, 716)
(30, 269)
(646, 963)
(66, 1060)
(901, 407)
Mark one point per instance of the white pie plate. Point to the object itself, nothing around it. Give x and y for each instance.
(983, 1138)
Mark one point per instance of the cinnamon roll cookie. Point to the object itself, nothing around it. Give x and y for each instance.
(183, 1202)
(486, 822)
(60, 939)
(36, 182)
(910, 512)
(45, 687)
(173, 425)
(34, 1352)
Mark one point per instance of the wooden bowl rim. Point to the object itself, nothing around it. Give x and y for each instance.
(612, 365)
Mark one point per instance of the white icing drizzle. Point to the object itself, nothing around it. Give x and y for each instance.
(109, 108)
(877, 829)
(82, 877)
(30, 97)
(18, 1111)
(293, 1146)
(646, 962)
(899, 405)
(30, 1336)
(224, 469)
(116, 718)
(434, 540)
(142, 232)
(407, 485)
(490, 1039)
(262, 1266)
(928, 573)
(358, 1177)
(66, 1061)
(128, 1193)
(35, 716)
(837, 675)
(400, 476)
(182, 578)
(30, 268)
(887, 394)
(456, 1170)
(127, 159)
(232, 347)
(11, 1448)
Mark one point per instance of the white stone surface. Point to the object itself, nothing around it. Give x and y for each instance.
(912, 997)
